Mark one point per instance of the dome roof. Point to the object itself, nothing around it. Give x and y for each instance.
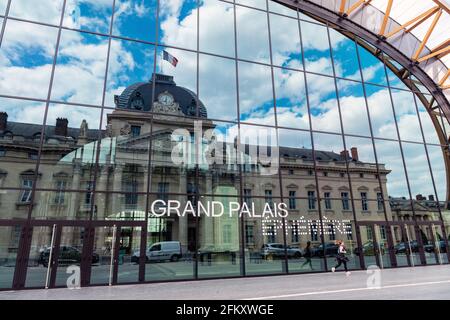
(142, 92)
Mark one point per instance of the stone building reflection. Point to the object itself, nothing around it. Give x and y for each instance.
(135, 168)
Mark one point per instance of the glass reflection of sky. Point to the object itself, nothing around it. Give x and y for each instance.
(88, 15)
(27, 53)
(47, 11)
(3, 4)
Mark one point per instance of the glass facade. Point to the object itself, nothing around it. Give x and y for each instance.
(143, 141)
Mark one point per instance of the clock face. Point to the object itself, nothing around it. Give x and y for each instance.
(138, 104)
(166, 99)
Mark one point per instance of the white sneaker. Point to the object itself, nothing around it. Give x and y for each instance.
(348, 273)
(333, 269)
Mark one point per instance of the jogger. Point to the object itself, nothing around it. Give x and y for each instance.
(341, 258)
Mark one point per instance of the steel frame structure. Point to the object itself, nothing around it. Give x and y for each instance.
(341, 19)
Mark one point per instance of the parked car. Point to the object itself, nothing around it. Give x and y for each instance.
(430, 247)
(277, 250)
(331, 249)
(160, 251)
(404, 247)
(67, 255)
(368, 249)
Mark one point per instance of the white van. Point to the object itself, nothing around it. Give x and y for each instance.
(161, 251)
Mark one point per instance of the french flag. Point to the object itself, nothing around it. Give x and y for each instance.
(171, 59)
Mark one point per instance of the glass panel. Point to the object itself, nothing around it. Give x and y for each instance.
(70, 253)
(264, 247)
(285, 38)
(90, 15)
(171, 238)
(219, 249)
(128, 206)
(330, 162)
(375, 245)
(217, 87)
(402, 255)
(75, 131)
(256, 94)
(15, 204)
(292, 109)
(310, 19)
(353, 108)
(407, 120)
(298, 181)
(395, 81)
(217, 40)
(178, 23)
(103, 248)
(281, 9)
(439, 245)
(26, 53)
(135, 19)
(222, 157)
(3, 5)
(22, 122)
(131, 63)
(9, 245)
(316, 48)
(47, 11)
(252, 38)
(62, 204)
(381, 112)
(173, 157)
(344, 56)
(79, 78)
(368, 247)
(430, 121)
(390, 158)
(372, 67)
(413, 245)
(323, 103)
(418, 171)
(130, 244)
(382, 247)
(38, 257)
(361, 152)
(259, 4)
(180, 68)
(445, 209)
(430, 246)
(440, 173)
(260, 160)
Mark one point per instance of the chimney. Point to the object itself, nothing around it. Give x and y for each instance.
(431, 197)
(345, 155)
(355, 156)
(3, 121)
(61, 127)
(419, 197)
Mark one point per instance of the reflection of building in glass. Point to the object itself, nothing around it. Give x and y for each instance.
(69, 154)
(314, 112)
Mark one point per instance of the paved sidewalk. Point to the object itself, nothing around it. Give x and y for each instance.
(432, 282)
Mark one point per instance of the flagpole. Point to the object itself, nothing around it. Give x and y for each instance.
(162, 61)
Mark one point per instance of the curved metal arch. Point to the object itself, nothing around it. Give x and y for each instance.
(325, 15)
